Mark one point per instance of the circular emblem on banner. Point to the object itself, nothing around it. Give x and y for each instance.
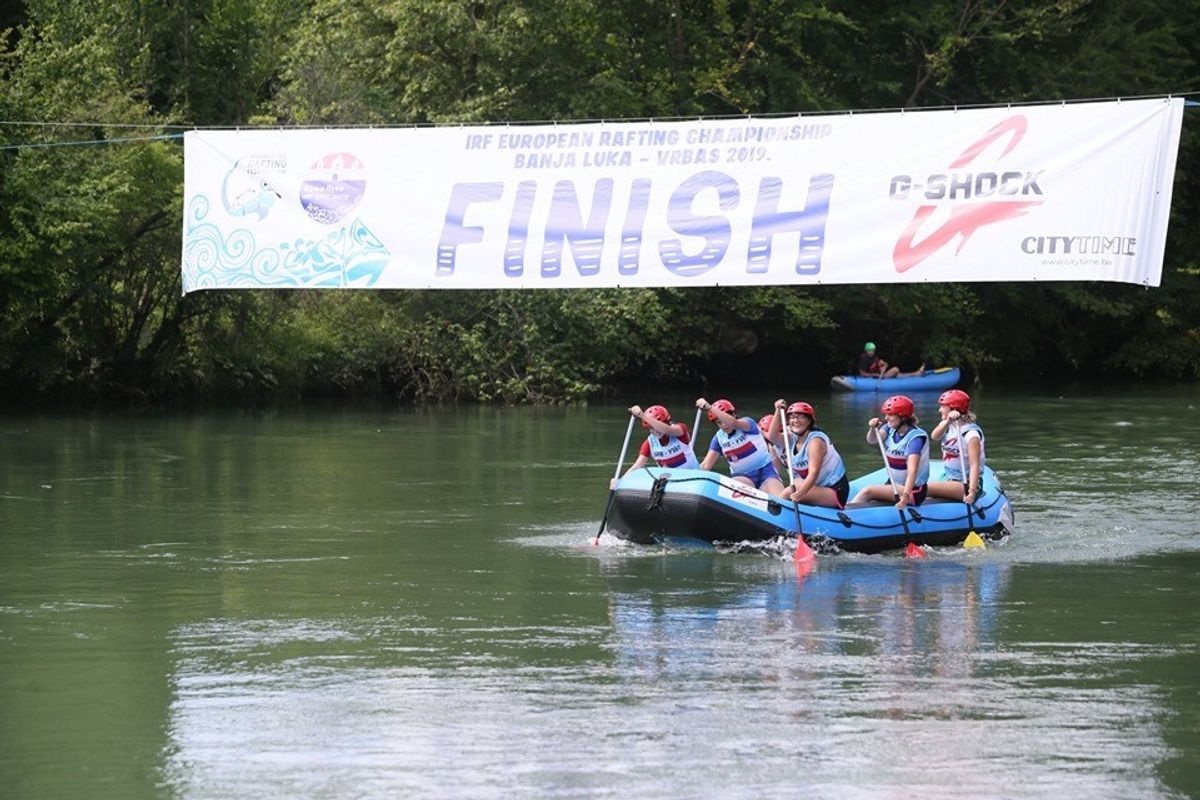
(334, 186)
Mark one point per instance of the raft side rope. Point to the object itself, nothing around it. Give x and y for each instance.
(980, 509)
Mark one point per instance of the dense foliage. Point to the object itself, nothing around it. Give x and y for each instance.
(90, 299)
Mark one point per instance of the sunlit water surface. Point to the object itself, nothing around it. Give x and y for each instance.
(408, 603)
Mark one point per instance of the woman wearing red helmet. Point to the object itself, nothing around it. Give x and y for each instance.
(958, 420)
(741, 442)
(774, 443)
(669, 443)
(906, 448)
(817, 468)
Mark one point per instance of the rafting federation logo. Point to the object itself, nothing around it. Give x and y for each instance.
(974, 199)
(249, 187)
(743, 493)
(335, 185)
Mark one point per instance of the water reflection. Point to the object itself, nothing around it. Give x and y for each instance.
(707, 675)
(898, 668)
(914, 619)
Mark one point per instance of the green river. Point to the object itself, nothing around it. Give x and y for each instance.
(398, 602)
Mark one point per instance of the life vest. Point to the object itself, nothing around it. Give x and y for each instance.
(950, 450)
(675, 454)
(746, 451)
(897, 456)
(873, 365)
(832, 468)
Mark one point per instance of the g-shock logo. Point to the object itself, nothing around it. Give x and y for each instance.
(957, 194)
(967, 185)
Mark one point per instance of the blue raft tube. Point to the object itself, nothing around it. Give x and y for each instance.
(933, 380)
(655, 505)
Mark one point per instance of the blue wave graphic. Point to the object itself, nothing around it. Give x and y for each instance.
(351, 257)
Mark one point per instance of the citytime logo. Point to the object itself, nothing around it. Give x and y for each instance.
(969, 200)
(1080, 245)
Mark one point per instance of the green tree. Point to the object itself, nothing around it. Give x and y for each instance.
(90, 235)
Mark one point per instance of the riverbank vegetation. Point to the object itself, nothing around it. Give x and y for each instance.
(90, 303)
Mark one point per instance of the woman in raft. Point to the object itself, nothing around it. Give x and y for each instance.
(774, 444)
(958, 425)
(906, 448)
(817, 470)
(669, 443)
(741, 442)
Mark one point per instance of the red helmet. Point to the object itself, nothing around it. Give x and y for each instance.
(659, 413)
(955, 399)
(802, 408)
(721, 405)
(899, 405)
(765, 422)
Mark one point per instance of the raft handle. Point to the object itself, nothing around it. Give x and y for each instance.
(845, 519)
(657, 491)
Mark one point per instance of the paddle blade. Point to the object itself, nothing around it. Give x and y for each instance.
(804, 554)
(913, 551)
(974, 542)
(804, 567)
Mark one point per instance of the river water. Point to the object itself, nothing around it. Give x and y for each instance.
(407, 603)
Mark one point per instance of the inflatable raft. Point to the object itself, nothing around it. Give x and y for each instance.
(656, 505)
(932, 381)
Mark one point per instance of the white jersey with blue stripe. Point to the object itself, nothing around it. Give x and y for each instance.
(832, 469)
(951, 465)
(746, 451)
(675, 454)
(896, 449)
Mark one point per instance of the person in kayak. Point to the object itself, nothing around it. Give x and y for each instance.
(741, 442)
(906, 448)
(669, 443)
(870, 365)
(817, 470)
(955, 408)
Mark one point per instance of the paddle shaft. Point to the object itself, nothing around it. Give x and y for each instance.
(787, 459)
(962, 465)
(696, 429)
(613, 491)
(891, 477)
(803, 551)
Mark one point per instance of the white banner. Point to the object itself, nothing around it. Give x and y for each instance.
(1052, 192)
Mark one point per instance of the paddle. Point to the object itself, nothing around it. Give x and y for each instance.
(891, 478)
(973, 539)
(696, 429)
(803, 551)
(613, 491)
